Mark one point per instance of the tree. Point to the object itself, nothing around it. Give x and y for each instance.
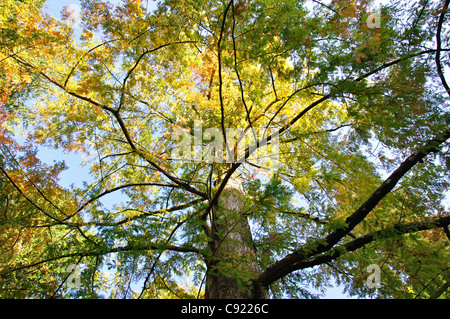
(330, 153)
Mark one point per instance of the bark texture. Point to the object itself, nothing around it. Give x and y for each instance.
(233, 265)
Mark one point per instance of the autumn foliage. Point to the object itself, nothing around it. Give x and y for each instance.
(361, 113)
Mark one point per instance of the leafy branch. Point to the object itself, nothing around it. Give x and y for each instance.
(288, 264)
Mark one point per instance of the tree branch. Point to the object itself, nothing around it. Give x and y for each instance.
(14, 184)
(236, 70)
(359, 242)
(121, 123)
(219, 58)
(250, 150)
(122, 187)
(145, 52)
(89, 51)
(402, 229)
(174, 179)
(439, 49)
(286, 265)
(59, 221)
(358, 79)
(306, 216)
(440, 291)
(61, 86)
(145, 214)
(129, 247)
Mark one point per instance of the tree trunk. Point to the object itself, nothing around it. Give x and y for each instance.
(233, 264)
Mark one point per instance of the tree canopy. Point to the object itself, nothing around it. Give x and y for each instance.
(262, 148)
